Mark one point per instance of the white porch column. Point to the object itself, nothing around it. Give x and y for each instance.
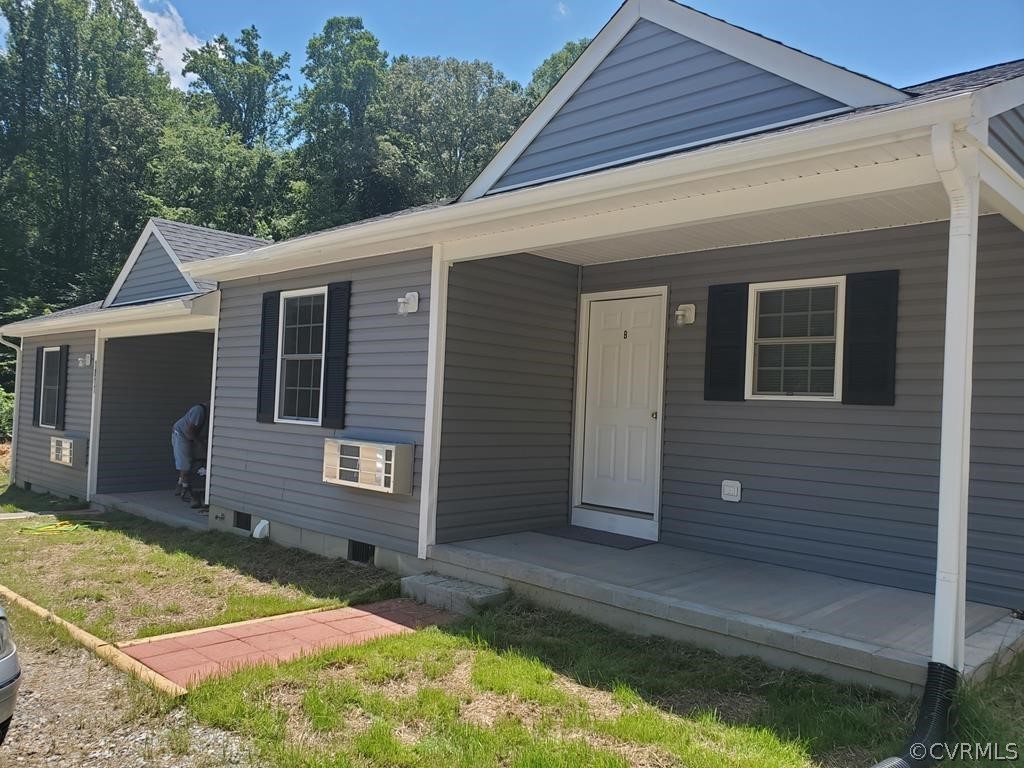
(435, 400)
(959, 172)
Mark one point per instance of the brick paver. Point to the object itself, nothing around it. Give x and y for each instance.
(191, 658)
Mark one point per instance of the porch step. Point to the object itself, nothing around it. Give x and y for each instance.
(454, 595)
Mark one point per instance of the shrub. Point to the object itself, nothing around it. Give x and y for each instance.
(6, 414)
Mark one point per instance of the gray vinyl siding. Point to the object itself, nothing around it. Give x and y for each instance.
(1006, 136)
(274, 470)
(33, 448)
(508, 391)
(148, 384)
(842, 489)
(656, 91)
(154, 276)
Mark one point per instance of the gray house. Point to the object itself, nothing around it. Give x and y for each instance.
(692, 355)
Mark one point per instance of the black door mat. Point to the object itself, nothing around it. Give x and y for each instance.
(592, 536)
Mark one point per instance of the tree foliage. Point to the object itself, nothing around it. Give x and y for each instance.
(246, 84)
(553, 67)
(94, 139)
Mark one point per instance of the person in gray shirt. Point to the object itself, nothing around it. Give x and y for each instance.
(185, 432)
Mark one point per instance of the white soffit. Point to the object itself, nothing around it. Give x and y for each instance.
(893, 209)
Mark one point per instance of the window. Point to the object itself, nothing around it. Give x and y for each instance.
(795, 347)
(49, 388)
(301, 359)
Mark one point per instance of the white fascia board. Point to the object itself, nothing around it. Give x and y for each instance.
(809, 71)
(512, 209)
(602, 44)
(1002, 188)
(100, 318)
(996, 99)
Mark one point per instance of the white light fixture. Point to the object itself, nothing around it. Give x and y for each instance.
(85, 360)
(409, 303)
(686, 314)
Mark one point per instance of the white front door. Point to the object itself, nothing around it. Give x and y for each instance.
(621, 415)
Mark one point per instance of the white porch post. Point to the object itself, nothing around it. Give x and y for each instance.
(95, 413)
(960, 176)
(435, 400)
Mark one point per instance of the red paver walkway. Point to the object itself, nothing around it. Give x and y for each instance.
(190, 658)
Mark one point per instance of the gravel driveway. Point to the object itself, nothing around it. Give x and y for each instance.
(76, 712)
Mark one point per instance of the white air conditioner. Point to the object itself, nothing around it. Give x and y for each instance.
(62, 451)
(383, 467)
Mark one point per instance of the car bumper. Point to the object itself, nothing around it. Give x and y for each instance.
(8, 695)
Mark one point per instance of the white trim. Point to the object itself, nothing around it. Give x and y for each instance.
(423, 229)
(667, 151)
(151, 299)
(999, 97)
(151, 229)
(801, 68)
(285, 295)
(602, 44)
(213, 400)
(432, 419)
(92, 471)
(628, 524)
(15, 422)
(827, 79)
(42, 389)
(961, 178)
(839, 281)
(183, 310)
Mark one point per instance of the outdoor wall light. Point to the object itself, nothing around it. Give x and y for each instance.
(686, 314)
(409, 303)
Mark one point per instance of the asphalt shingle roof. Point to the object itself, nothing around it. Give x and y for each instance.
(192, 243)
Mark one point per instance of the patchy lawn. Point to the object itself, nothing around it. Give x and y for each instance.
(125, 577)
(521, 686)
(14, 499)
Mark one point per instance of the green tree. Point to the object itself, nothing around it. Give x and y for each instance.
(446, 118)
(338, 150)
(247, 85)
(553, 67)
(82, 97)
(204, 174)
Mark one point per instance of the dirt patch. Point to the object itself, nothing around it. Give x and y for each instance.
(600, 703)
(76, 712)
(730, 708)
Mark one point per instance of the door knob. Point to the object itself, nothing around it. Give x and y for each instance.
(654, 415)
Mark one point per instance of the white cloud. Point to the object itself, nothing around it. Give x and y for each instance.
(561, 10)
(172, 35)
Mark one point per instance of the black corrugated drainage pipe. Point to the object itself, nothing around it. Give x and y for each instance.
(933, 721)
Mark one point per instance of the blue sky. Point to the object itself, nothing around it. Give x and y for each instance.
(898, 41)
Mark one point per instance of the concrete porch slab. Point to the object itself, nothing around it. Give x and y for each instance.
(160, 506)
(842, 628)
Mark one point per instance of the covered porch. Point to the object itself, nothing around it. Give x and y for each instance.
(844, 628)
(844, 545)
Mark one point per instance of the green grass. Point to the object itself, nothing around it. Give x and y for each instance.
(523, 686)
(126, 577)
(15, 499)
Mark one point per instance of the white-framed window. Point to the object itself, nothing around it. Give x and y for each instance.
(795, 339)
(49, 388)
(302, 334)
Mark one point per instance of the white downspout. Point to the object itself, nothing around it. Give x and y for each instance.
(959, 172)
(17, 405)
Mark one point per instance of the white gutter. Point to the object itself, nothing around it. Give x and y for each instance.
(960, 176)
(101, 318)
(424, 228)
(17, 403)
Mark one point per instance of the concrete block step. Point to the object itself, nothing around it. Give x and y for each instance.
(449, 594)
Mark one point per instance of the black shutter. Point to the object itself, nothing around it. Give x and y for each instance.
(725, 357)
(37, 390)
(62, 385)
(332, 403)
(869, 348)
(265, 392)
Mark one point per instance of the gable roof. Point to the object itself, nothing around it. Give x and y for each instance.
(817, 88)
(153, 269)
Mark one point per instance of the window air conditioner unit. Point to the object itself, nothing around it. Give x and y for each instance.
(62, 451)
(382, 467)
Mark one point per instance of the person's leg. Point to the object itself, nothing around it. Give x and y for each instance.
(182, 462)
